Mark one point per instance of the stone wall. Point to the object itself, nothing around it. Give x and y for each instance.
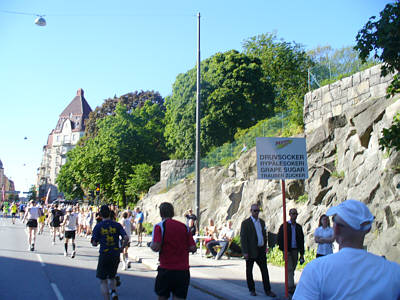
(334, 99)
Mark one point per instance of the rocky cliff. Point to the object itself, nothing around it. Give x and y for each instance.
(344, 162)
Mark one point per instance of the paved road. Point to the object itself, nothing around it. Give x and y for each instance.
(46, 274)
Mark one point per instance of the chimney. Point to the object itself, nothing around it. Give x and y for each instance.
(79, 92)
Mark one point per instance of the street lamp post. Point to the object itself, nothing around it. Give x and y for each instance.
(197, 194)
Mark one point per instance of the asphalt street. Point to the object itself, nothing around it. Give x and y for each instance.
(46, 274)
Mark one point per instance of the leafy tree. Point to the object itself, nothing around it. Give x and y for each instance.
(130, 100)
(382, 38)
(123, 140)
(233, 95)
(333, 64)
(32, 193)
(67, 180)
(391, 136)
(140, 181)
(285, 68)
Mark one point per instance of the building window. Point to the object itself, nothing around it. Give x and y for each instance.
(67, 139)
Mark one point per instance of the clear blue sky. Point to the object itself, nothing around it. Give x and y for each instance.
(114, 47)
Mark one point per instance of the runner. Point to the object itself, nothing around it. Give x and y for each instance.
(32, 214)
(21, 209)
(13, 212)
(55, 217)
(107, 233)
(70, 224)
(127, 225)
(88, 222)
(41, 219)
(5, 210)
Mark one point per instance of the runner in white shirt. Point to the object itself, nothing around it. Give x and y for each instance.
(32, 214)
(70, 224)
(127, 225)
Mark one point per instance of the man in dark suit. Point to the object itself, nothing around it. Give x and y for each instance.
(253, 237)
(295, 246)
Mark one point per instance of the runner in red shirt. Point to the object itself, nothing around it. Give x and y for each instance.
(173, 240)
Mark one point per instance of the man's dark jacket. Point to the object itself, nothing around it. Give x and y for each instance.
(248, 237)
(299, 238)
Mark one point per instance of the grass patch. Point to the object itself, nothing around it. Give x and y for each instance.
(275, 257)
(302, 199)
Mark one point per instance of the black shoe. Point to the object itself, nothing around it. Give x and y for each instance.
(32, 247)
(114, 295)
(117, 281)
(270, 294)
(253, 293)
(73, 254)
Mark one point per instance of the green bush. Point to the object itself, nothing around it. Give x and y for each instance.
(337, 174)
(302, 199)
(236, 240)
(275, 257)
(148, 228)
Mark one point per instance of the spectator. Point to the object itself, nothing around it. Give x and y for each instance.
(253, 237)
(173, 241)
(211, 233)
(352, 273)
(139, 225)
(295, 242)
(189, 215)
(324, 237)
(225, 237)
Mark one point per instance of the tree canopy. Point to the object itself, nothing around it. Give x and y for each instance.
(285, 67)
(382, 39)
(123, 140)
(130, 100)
(234, 95)
(333, 64)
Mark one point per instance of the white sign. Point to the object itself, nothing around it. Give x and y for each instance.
(281, 158)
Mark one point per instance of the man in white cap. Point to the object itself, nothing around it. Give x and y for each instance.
(352, 273)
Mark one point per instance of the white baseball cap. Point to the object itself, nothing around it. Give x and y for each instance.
(355, 213)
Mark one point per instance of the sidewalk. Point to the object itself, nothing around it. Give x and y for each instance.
(224, 279)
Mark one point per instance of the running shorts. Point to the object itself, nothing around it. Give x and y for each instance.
(55, 223)
(172, 281)
(69, 234)
(32, 223)
(107, 265)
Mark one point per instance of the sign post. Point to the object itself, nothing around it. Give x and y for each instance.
(280, 159)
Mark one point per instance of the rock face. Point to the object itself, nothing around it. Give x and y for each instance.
(344, 162)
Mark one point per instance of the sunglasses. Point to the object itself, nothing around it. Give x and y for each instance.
(256, 210)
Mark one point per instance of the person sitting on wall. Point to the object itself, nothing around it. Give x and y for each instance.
(224, 238)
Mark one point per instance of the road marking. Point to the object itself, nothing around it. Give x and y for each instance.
(41, 260)
(57, 291)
